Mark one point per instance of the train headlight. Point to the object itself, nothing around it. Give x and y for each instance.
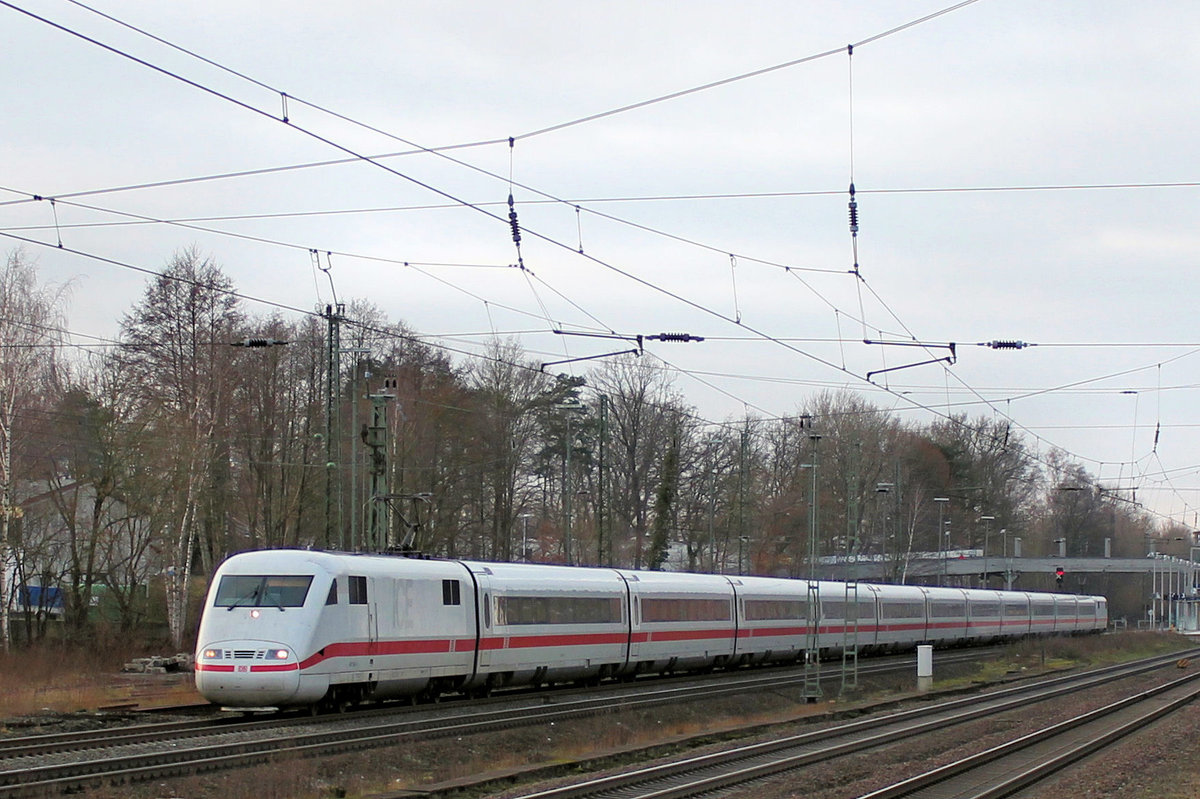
(212, 654)
(254, 614)
(280, 654)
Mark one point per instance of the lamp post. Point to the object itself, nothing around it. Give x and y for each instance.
(814, 439)
(525, 537)
(987, 531)
(712, 511)
(946, 559)
(354, 509)
(572, 406)
(941, 503)
(884, 489)
(1007, 562)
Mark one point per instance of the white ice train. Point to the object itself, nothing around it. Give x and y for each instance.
(285, 628)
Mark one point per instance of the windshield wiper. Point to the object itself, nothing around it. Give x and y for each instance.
(251, 598)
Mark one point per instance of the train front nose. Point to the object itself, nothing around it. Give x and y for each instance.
(240, 673)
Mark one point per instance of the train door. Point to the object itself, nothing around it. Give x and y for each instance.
(359, 616)
(374, 593)
(483, 614)
(636, 637)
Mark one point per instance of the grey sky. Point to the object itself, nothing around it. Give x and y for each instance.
(999, 94)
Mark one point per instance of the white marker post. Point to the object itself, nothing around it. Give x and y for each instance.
(924, 667)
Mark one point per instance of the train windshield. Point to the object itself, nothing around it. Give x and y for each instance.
(258, 590)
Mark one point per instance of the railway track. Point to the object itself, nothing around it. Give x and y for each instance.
(649, 691)
(46, 764)
(49, 763)
(721, 771)
(1014, 766)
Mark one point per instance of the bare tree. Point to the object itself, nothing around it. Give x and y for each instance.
(507, 392)
(176, 347)
(100, 488)
(276, 411)
(642, 406)
(30, 320)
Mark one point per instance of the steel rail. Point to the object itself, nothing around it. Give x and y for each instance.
(179, 760)
(33, 780)
(721, 770)
(992, 774)
(714, 686)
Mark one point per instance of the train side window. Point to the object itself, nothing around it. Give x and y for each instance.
(451, 592)
(358, 590)
(487, 611)
(332, 598)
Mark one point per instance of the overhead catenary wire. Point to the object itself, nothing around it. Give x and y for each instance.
(511, 139)
(26, 198)
(284, 96)
(417, 266)
(352, 152)
(387, 332)
(440, 151)
(744, 76)
(964, 4)
(850, 50)
(395, 334)
(605, 264)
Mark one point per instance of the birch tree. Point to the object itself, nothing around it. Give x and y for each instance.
(175, 346)
(30, 324)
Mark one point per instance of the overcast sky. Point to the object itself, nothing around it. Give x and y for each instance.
(1012, 161)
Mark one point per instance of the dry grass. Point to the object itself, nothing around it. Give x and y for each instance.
(1041, 654)
(289, 778)
(1095, 650)
(34, 680)
(67, 680)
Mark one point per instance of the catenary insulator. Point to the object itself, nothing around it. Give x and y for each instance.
(512, 221)
(853, 212)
